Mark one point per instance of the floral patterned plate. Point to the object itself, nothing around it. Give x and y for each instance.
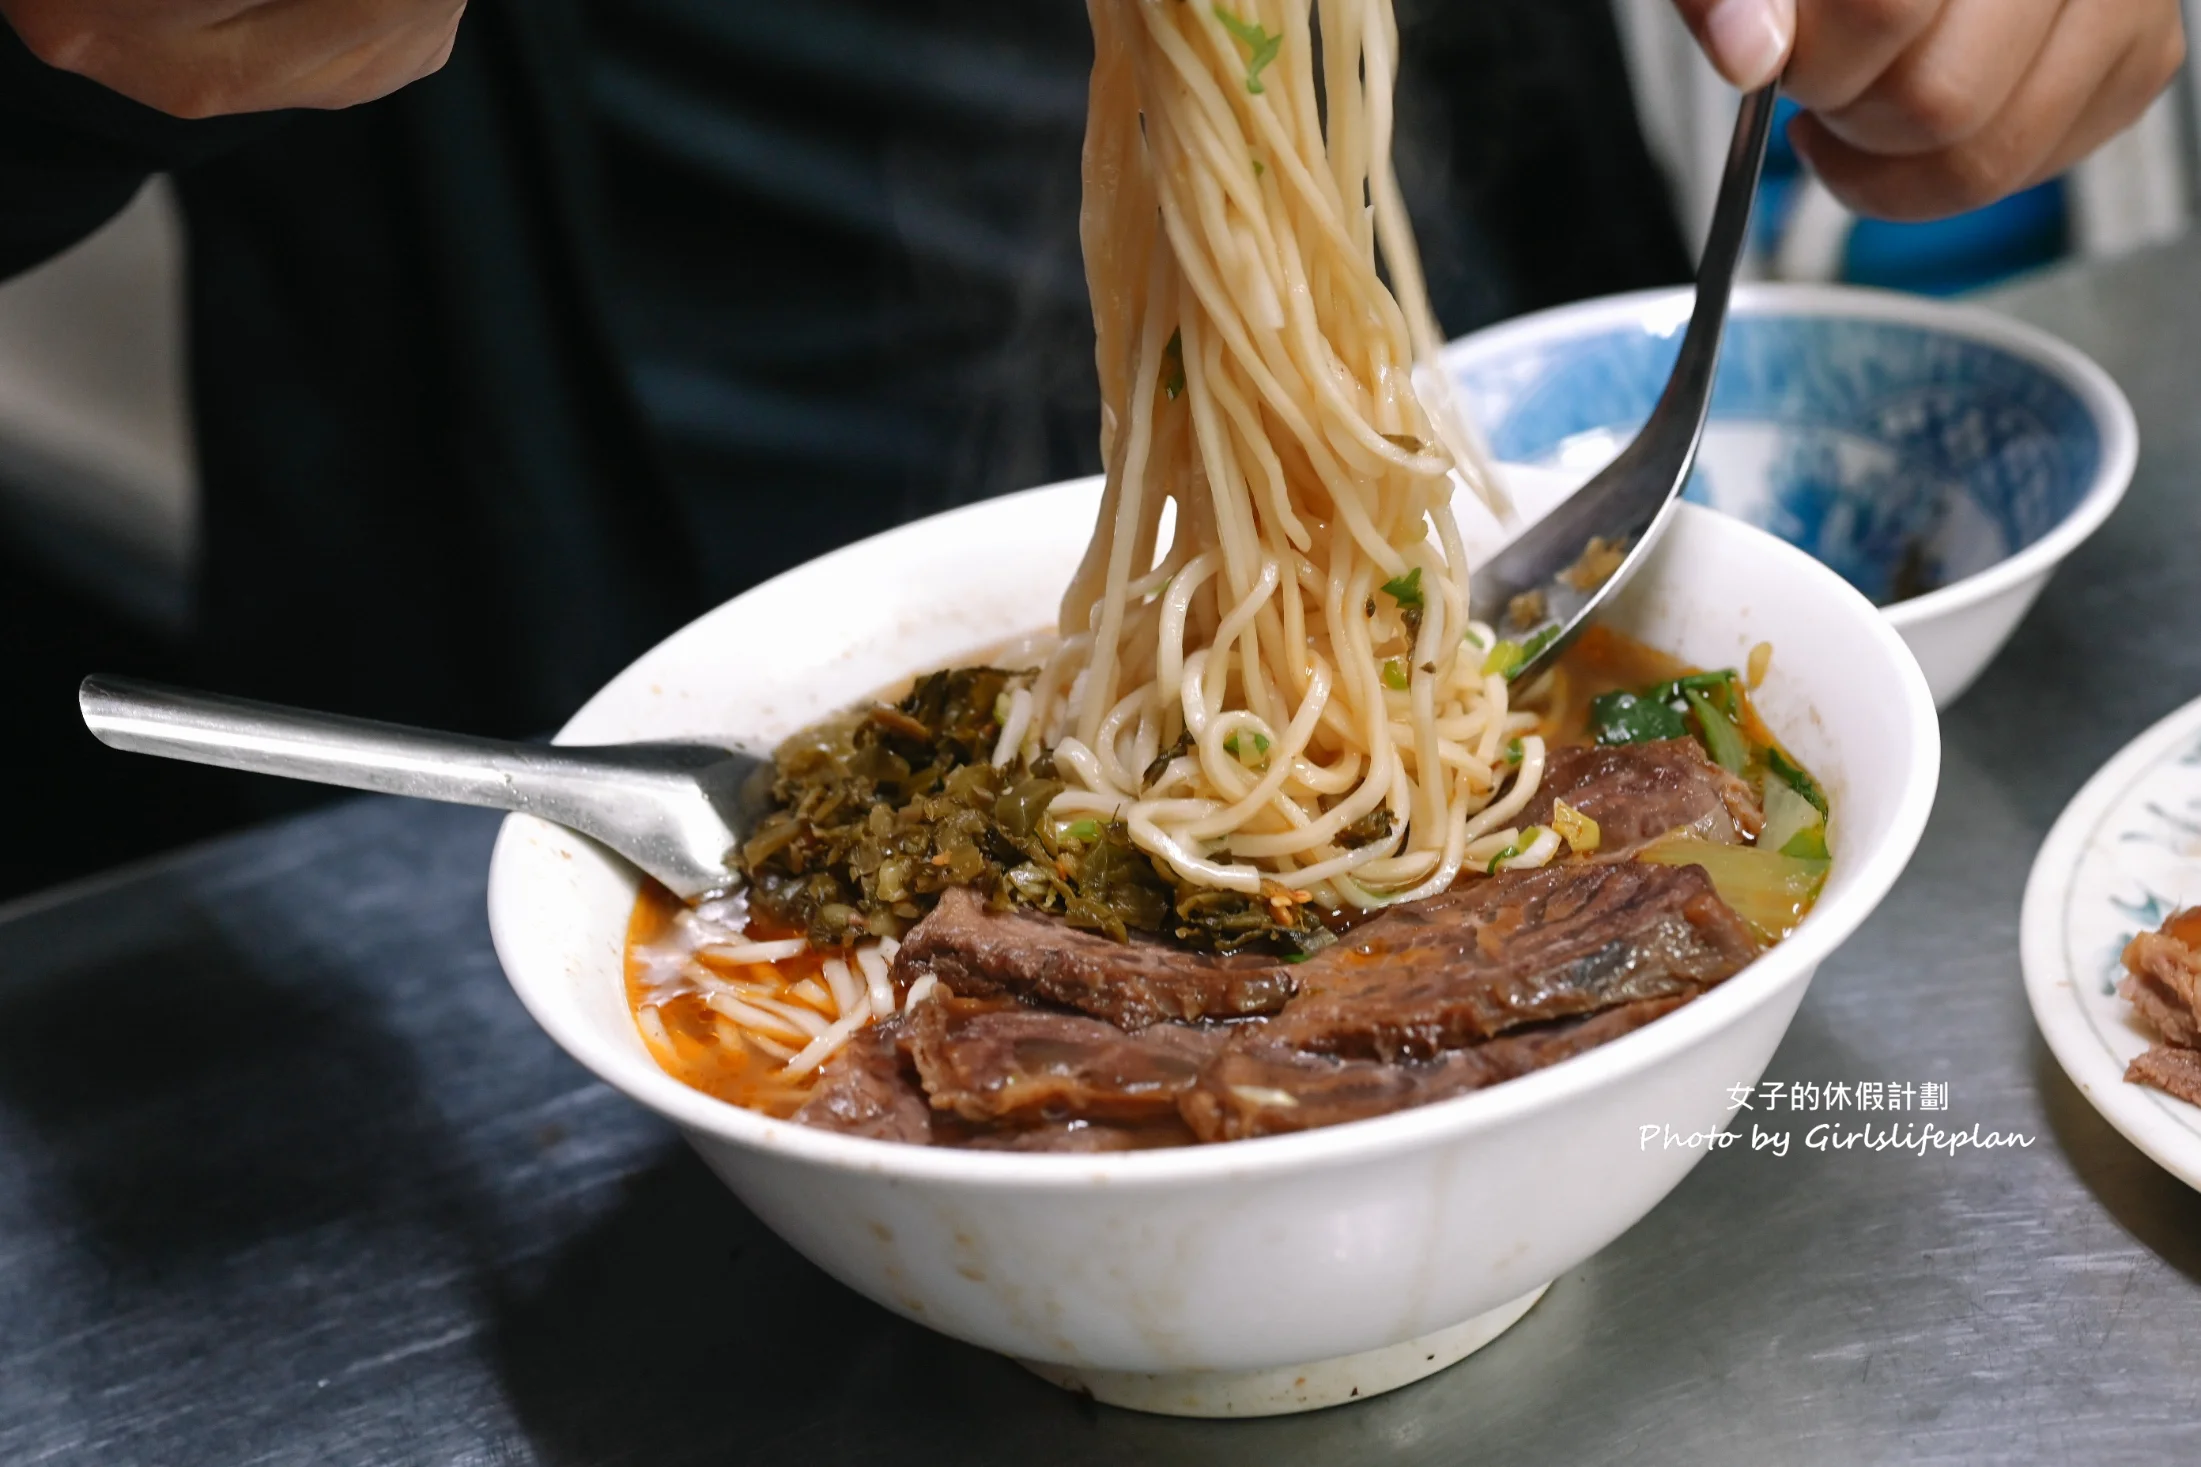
(2125, 854)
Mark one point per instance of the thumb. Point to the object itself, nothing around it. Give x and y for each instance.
(1747, 40)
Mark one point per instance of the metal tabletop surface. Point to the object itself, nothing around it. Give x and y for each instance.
(286, 1174)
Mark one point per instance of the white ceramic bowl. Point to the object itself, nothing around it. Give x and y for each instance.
(1862, 425)
(1260, 1275)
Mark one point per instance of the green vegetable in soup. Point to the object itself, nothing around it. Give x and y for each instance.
(1630, 718)
(1769, 890)
(1793, 825)
(1722, 740)
(1796, 779)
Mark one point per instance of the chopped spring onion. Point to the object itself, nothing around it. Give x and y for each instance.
(1262, 45)
(1514, 752)
(1087, 830)
(1509, 658)
(1406, 589)
(1768, 890)
(1578, 830)
(1722, 740)
(1394, 675)
(1238, 750)
(1534, 847)
(1534, 647)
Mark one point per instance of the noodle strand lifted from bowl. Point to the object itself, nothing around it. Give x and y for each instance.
(1263, 712)
(1301, 648)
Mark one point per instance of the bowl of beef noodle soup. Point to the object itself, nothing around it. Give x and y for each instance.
(1115, 1270)
(1188, 953)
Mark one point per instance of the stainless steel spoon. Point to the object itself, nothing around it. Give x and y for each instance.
(1526, 589)
(676, 810)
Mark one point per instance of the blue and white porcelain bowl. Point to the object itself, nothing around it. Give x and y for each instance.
(1941, 458)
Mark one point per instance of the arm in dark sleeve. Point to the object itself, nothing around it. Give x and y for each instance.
(73, 153)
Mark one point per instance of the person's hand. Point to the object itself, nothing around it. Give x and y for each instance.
(1920, 108)
(201, 58)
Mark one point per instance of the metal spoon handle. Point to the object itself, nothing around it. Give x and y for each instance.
(573, 786)
(326, 748)
(1678, 420)
(1631, 499)
(674, 809)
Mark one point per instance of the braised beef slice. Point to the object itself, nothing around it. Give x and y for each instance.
(1639, 792)
(1522, 947)
(2170, 1068)
(869, 1089)
(2163, 982)
(975, 952)
(989, 1061)
(2158, 1005)
(1258, 1089)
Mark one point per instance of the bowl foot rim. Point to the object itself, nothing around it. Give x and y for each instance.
(1287, 1389)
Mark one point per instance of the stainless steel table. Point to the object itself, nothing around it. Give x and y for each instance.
(287, 1176)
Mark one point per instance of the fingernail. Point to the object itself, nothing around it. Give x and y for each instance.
(1748, 39)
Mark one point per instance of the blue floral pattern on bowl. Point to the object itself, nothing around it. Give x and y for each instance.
(1904, 455)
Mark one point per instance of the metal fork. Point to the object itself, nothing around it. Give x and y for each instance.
(1630, 501)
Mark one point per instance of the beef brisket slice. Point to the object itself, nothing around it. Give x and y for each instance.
(1523, 947)
(868, 1089)
(1639, 792)
(991, 1061)
(2171, 1069)
(2163, 982)
(975, 952)
(1256, 1089)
